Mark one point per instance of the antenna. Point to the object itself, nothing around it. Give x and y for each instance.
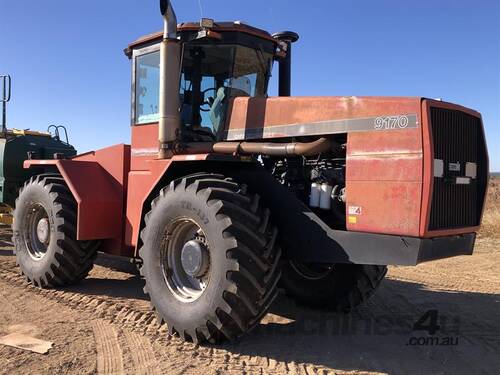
(201, 9)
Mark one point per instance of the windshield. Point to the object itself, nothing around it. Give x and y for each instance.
(211, 75)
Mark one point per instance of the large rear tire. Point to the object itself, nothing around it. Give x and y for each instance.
(44, 234)
(209, 258)
(340, 287)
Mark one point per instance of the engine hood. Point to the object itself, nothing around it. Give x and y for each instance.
(283, 117)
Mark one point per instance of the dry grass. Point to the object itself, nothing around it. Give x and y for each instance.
(491, 220)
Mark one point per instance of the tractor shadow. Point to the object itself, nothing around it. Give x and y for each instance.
(5, 252)
(116, 263)
(113, 277)
(122, 289)
(6, 240)
(378, 336)
(374, 338)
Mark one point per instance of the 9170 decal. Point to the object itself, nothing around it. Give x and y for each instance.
(391, 122)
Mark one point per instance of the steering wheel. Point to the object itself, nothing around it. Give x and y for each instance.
(207, 102)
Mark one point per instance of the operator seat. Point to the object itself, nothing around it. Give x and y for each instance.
(219, 106)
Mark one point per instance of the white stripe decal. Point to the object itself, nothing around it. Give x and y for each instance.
(379, 123)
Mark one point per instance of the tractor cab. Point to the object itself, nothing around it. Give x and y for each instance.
(219, 61)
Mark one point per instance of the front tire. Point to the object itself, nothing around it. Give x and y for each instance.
(340, 287)
(209, 258)
(44, 234)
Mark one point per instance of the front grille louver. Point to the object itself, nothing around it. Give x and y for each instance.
(457, 138)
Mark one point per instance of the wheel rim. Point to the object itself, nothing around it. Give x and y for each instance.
(185, 260)
(311, 271)
(37, 231)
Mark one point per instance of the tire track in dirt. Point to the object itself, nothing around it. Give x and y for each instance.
(183, 357)
(144, 322)
(142, 354)
(109, 352)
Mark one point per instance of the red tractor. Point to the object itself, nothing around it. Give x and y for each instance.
(226, 194)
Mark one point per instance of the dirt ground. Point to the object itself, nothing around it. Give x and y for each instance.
(104, 326)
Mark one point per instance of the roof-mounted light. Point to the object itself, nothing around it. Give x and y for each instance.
(207, 23)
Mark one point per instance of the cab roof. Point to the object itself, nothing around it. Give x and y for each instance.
(236, 26)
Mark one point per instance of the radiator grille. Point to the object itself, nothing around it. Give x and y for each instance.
(458, 138)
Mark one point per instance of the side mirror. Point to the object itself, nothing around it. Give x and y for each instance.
(164, 4)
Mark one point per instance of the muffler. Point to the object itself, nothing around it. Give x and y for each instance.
(170, 67)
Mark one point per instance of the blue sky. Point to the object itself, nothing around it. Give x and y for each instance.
(68, 67)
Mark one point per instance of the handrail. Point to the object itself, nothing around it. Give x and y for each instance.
(56, 132)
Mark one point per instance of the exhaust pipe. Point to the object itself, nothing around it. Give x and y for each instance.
(275, 149)
(285, 63)
(316, 147)
(170, 72)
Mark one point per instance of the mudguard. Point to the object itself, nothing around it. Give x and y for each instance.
(97, 181)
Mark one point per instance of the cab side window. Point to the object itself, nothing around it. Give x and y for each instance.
(147, 88)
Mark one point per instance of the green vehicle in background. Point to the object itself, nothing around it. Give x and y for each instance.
(16, 146)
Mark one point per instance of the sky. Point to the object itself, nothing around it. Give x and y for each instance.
(68, 67)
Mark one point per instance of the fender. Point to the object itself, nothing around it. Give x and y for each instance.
(145, 185)
(98, 181)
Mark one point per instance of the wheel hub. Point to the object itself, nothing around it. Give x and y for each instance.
(194, 258)
(43, 230)
(37, 231)
(185, 259)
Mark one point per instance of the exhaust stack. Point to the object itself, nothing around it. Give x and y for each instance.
(170, 66)
(285, 64)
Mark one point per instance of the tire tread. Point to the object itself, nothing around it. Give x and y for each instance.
(255, 278)
(73, 259)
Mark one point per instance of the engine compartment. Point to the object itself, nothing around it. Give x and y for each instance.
(319, 182)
